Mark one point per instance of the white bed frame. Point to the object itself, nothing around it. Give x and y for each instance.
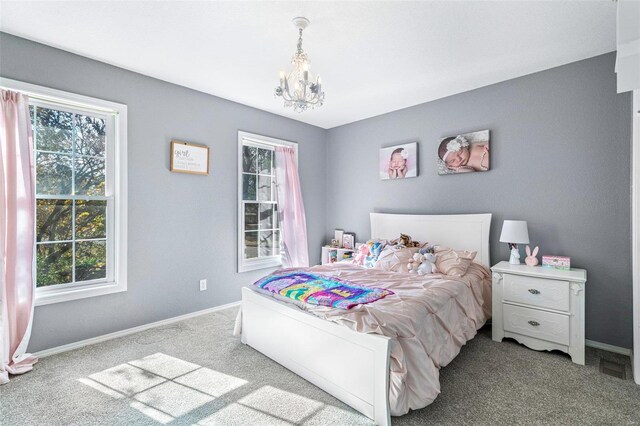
(352, 366)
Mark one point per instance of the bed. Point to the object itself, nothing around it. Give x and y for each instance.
(359, 363)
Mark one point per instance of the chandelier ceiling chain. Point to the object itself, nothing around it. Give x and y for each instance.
(298, 89)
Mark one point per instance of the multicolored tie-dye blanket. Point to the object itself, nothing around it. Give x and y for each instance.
(320, 289)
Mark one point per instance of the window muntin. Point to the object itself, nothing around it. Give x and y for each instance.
(74, 196)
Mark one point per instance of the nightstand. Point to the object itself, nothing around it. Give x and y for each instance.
(337, 253)
(541, 308)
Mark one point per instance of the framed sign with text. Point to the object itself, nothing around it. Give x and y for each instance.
(189, 158)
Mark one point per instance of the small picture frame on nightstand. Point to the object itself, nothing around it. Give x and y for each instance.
(349, 240)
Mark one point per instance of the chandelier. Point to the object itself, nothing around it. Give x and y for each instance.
(298, 88)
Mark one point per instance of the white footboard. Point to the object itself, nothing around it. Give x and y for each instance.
(352, 366)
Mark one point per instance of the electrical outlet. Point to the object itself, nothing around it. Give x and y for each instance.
(203, 285)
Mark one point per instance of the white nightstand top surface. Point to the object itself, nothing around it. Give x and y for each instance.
(575, 275)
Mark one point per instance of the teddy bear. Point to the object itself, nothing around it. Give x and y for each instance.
(414, 263)
(423, 263)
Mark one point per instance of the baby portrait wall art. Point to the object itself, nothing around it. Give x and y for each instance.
(464, 153)
(399, 161)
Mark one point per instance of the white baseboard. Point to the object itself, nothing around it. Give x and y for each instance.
(121, 333)
(607, 347)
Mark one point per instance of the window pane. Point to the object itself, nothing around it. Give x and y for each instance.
(90, 135)
(90, 176)
(266, 243)
(91, 219)
(54, 263)
(248, 187)
(91, 260)
(264, 188)
(251, 216)
(250, 245)
(53, 174)
(266, 216)
(53, 130)
(264, 161)
(276, 243)
(249, 158)
(53, 220)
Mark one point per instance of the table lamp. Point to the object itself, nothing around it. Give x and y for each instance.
(514, 232)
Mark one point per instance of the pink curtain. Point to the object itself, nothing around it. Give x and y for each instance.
(16, 234)
(293, 225)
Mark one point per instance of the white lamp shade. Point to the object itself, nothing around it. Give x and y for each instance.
(514, 231)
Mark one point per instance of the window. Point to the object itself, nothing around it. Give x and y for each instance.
(259, 233)
(80, 182)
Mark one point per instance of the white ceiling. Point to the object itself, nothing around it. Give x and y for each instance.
(374, 57)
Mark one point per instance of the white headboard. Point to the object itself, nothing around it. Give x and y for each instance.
(458, 231)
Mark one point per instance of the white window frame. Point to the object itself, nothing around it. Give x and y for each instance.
(246, 138)
(116, 163)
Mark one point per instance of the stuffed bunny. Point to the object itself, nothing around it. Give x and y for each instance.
(531, 259)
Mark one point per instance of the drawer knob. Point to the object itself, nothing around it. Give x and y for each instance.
(534, 323)
(534, 291)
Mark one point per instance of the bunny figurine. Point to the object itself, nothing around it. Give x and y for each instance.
(531, 259)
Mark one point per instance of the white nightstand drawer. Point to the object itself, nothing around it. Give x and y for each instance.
(539, 324)
(552, 294)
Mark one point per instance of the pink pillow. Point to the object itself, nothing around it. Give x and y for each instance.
(395, 259)
(453, 262)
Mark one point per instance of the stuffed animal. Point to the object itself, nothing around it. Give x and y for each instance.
(531, 259)
(414, 263)
(428, 264)
(360, 257)
(375, 248)
(405, 241)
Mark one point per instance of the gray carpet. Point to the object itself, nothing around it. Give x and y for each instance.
(195, 372)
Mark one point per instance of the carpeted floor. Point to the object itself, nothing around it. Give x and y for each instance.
(195, 372)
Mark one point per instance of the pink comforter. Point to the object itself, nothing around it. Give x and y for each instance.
(428, 319)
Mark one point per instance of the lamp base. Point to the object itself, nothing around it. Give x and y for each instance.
(514, 259)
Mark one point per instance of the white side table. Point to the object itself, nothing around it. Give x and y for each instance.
(541, 308)
(339, 253)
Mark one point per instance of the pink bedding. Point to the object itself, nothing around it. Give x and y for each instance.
(428, 319)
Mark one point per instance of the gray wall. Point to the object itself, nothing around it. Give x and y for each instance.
(181, 227)
(560, 159)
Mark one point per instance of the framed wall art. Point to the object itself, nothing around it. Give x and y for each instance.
(189, 158)
(465, 153)
(399, 161)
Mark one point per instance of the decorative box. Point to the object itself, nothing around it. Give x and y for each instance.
(556, 262)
